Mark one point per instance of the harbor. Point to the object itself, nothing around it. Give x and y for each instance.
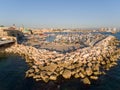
(59, 45)
(70, 69)
(85, 63)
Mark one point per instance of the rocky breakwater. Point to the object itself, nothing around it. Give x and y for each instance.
(86, 39)
(86, 63)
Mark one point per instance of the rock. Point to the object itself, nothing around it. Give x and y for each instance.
(45, 78)
(96, 73)
(77, 65)
(89, 71)
(89, 64)
(43, 75)
(52, 67)
(30, 75)
(81, 75)
(30, 70)
(37, 70)
(86, 55)
(73, 72)
(96, 67)
(108, 62)
(114, 63)
(103, 63)
(66, 74)
(36, 76)
(61, 72)
(37, 79)
(76, 75)
(86, 81)
(41, 67)
(49, 73)
(94, 77)
(57, 69)
(67, 65)
(53, 77)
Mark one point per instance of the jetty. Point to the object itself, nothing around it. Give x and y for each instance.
(84, 63)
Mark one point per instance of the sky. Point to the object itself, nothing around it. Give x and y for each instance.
(60, 13)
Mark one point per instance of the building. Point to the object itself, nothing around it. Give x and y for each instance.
(11, 31)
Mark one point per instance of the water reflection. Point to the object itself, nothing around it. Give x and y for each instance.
(12, 74)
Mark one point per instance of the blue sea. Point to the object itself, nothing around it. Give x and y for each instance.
(12, 77)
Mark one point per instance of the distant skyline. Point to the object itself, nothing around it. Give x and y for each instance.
(60, 13)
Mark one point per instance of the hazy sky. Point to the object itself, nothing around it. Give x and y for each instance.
(60, 13)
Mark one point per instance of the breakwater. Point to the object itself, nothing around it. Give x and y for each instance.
(86, 63)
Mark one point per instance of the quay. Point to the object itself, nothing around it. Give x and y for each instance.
(3, 43)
